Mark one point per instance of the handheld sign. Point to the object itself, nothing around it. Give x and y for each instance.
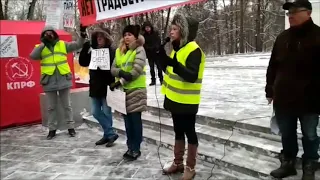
(117, 100)
(100, 58)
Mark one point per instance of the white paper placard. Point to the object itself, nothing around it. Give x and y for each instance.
(8, 46)
(117, 100)
(54, 19)
(100, 58)
(68, 13)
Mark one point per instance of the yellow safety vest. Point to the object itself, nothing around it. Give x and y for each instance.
(176, 88)
(56, 59)
(125, 62)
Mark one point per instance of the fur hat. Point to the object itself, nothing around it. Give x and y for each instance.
(103, 31)
(133, 29)
(188, 27)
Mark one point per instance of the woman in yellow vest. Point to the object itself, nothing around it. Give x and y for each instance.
(56, 76)
(129, 70)
(183, 62)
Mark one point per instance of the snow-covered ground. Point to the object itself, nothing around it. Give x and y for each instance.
(233, 87)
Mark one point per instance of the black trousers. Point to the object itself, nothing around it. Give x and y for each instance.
(154, 61)
(184, 125)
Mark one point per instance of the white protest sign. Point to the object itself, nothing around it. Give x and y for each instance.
(8, 46)
(68, 13)
(100, 58)
(117, 100)
(54, 16)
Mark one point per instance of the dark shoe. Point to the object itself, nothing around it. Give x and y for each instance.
(112, 140)
(286, 169)
(72, 132)
(161, 81)
(51, 134)
(309, 169)
(152, 83)
(102, 141)
(134, 155)
(128, 154)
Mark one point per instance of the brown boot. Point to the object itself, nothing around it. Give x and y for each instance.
(177, 165)
(189, 171)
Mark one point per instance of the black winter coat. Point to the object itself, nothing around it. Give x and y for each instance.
(152, 39)
(99, 79)
(293, 75)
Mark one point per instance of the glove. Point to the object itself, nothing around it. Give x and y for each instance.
(45, 41)
(125, 75)
(173, 62)
(176, 45)
(83, 28)
(83, 32)
(115, 85)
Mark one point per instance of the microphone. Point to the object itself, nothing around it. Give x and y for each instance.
(166, 41)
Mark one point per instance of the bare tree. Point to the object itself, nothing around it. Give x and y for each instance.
(32, 6)
(242, 36)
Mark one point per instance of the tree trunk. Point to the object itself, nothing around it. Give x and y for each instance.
(237, 26)
(6, 7)
(1, 11)
(166, 26)
(216, 17)
(226, 16)
(32, 6)
(231, 15)
(241, 26)
(258, 28)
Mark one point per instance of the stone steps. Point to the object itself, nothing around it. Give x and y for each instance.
(214, 135)
(257, 126)
(235, 158)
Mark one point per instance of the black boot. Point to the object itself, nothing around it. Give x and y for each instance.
(51, 134)
(72, 132)
(112, 140)
(286, 169)
(102, 141)
(134, 155)
(153, 82)
(309, 169)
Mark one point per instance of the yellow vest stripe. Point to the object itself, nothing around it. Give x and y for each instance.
(54, 54)
(181, 91)
(54, 64)
(178, 78)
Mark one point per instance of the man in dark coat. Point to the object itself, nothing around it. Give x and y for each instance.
(99, 82)
(152, 44)
(293, 84)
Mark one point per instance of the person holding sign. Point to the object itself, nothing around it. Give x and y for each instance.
(56, 77)
(130, 71)
(98, 55)
(183, 60)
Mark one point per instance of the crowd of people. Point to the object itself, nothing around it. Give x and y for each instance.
(293, 84)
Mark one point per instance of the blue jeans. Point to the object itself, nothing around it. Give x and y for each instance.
(133, 123)
(102, 112)
(288, 128)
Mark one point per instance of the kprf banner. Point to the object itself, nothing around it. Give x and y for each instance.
(93, 11)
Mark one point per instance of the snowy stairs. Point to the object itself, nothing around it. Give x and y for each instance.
(250, 150)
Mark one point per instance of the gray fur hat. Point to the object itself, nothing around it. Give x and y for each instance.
(188, 27)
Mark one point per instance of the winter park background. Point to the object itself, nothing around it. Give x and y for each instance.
(237, 36)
